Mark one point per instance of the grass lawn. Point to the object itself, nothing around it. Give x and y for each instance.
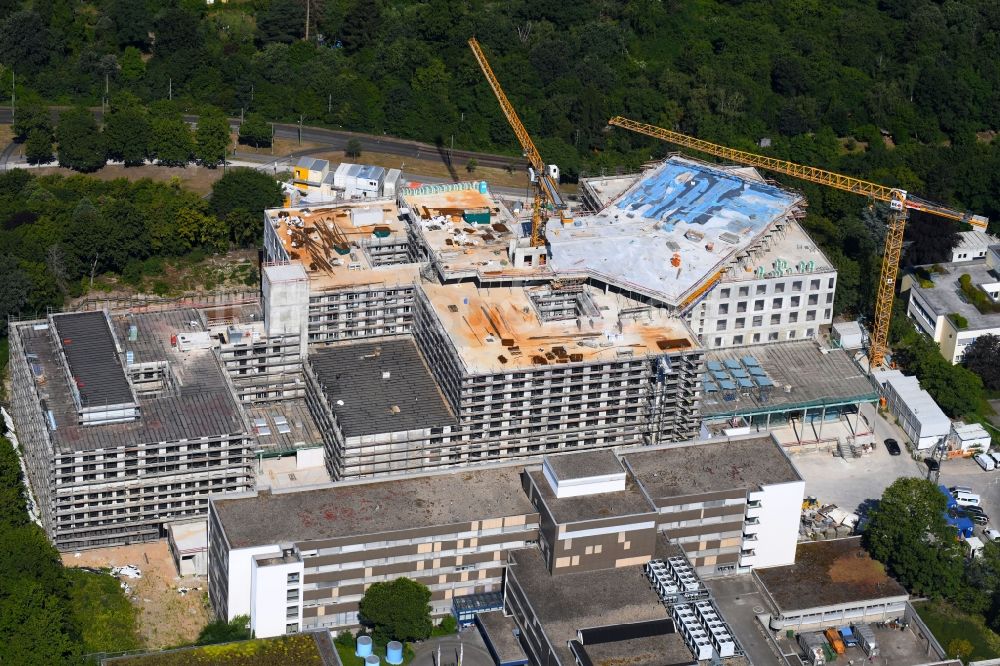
(294, 650)
(102, 611)
(948, 623)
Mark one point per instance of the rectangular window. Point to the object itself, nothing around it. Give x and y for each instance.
(810, 332)
(718, 342)
(813, 285)
(292, 628)
(779, 288)
(813, 299)
(830, 284)
(744, 291)
(791, 335)
(773, 336)
(793, 317)
(720, 325)
(723, 308)
(761, 289)
(292, 595)
(741, 306)
(293, 578)
(795, 301)
(797, 285)
(775, 319)
(826, 313)
(756, 337)
(758, 305)
(291, 612)
(758, 320)
(829, 298)
(811, 315)
(741, 322)
(737, 339)
(724, 293)
(777, 303)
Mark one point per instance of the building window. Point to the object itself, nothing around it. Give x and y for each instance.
(293, 595)
(718, 342)
(756, 337)
(793, 317)
(744, 291)
(720, 325)
(737, 339)
(814, 285)
(723, 308)
(813, 299)
(791, 335)
(797, 285)
(811, 315)
(829, 297)
(758, 320)
(758, 305)
(826, 313)
(741, 322)
(795, 301)
(761, 289)
(724, 293)
(775, 319)
(741, 306)
(291, 612)
(830, 284)
(779, 288)
(777, 303)
(293, 578)
(292, 628)
(773, 336)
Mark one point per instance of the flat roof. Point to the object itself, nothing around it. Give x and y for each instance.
(701, 214)
(377, 387)
(347, 509)
(975, 239)
(315, 236)
(828, 573)
(793, 246)
(583, 464)
(283, 426)
(499, 633)
(485, 324)
(816, 376)
(946, 296)
(705, 467)
(606, 189)
(203, 404)
(95, 365)
(626, 502)
(660, 650)
(581, 600)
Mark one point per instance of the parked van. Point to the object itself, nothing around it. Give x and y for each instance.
(985, 461)
(960, 489)
(967, 499)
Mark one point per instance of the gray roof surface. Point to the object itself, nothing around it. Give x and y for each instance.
(946, 295)
(356, 509)
(627, 502)
(583, 464)
(816, 378)
(580, 600)
(676, 471)
(662, 650)
(500, 631)
(94, 363)
(826, 573)
(409, 399)
(202, 406)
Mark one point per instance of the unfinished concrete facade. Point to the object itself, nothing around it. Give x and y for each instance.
(122, 430)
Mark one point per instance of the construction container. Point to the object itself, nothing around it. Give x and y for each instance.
(812, 645)
(866, 639)
(833, 636)
(476, 216)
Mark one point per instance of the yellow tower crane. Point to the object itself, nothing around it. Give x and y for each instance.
(900, 202)
(545, 178)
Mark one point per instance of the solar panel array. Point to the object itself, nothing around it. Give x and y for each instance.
(731, 375)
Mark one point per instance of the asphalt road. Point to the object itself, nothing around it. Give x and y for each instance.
(337, 140)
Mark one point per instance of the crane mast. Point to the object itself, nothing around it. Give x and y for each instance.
(899, 204)
(545, 185)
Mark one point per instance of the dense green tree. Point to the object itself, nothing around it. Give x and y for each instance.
(983, 358)
(172, 144)
(246, 189)
(31, 116)
(80, 145)
(284, 21)
(397, 610)
(38, 147)
(24, 42)
(133, 66)
(127, 135)
(131, 21)
(353, 149)
(255, 131)
(243, 226)
(175, 30)
(908, 533)
(220, 631)
(212, 137)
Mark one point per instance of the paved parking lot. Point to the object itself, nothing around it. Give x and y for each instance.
(965, 472)
(851, 483)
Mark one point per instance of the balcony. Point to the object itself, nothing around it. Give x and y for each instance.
(751, 526)
(748, 557)
(754, 509)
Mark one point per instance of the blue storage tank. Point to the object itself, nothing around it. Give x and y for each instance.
(371, 660)
(364, 647)
(482, 187)
(394, 653)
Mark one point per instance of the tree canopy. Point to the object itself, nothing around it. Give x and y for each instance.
(246, 189)
(908, 533)
(397, 610)
(983, 358)
(80, 144)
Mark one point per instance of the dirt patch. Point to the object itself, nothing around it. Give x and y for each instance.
(856, 570)
(281, 147)
(192, 177)
(165, 617)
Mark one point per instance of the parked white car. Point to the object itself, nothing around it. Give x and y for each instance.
(991, 534)
(985, 461)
